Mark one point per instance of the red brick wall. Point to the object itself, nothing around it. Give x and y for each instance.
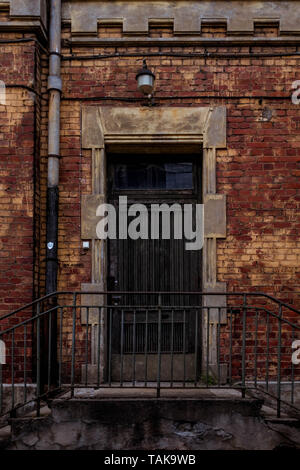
(17, 180)
(258, 171)
(19, 192)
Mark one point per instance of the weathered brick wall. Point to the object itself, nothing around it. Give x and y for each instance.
(20, 119)
(258, 171)
(18, 167)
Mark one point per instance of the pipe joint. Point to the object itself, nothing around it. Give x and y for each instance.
(54, 83)
(54, 155)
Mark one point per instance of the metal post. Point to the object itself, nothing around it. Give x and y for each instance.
(293, 372)
(196, 313)
(13, 370)
(219, 346)
(99, 346)
(184, 347)
(110, 347)
(230, 349)
(268, 349)
(172, 348)
(255, 348)
(207, 344)
(73, 346)
(146, 349)
(244, 348)
(25, 364)
(279, 364)
(159, 347)
(134, 348)
(122, 348)
(38, 363)
(60, 346)
(1, 389)
(87, 345)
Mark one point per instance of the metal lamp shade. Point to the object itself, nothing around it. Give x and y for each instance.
(145, 83)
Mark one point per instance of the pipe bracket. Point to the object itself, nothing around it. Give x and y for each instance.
(55, 53)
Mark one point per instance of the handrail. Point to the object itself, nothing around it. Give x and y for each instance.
(252, 344)
(31, 304)
(149, 307)
(227, 294)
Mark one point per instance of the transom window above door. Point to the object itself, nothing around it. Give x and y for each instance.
(153, 173)
(154, 176)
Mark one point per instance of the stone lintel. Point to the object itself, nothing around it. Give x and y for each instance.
(110, 124)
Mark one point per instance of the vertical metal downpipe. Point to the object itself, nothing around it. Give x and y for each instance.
(54, 89)
(49, 346)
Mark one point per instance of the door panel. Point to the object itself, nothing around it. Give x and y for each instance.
(161, 265)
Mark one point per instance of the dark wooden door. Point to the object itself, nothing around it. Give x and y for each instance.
(154, 265)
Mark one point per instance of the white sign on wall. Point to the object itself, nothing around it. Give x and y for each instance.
(2, 93)
(2, 352)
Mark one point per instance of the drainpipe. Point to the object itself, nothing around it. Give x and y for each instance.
(49, 325)
(54, 89)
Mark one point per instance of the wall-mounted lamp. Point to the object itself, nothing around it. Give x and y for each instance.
(145, 80)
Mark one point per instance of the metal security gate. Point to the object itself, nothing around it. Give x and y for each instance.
(153, 265)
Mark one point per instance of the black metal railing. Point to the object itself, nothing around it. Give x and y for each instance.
(159, 340)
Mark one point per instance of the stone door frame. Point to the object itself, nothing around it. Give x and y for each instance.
(126, 127)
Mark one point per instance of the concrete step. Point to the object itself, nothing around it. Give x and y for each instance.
(44, 411)
(140, 391)
(189, 423)
(113, 419)
(5, 437)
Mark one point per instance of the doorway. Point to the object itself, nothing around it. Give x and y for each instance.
(143, 326)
